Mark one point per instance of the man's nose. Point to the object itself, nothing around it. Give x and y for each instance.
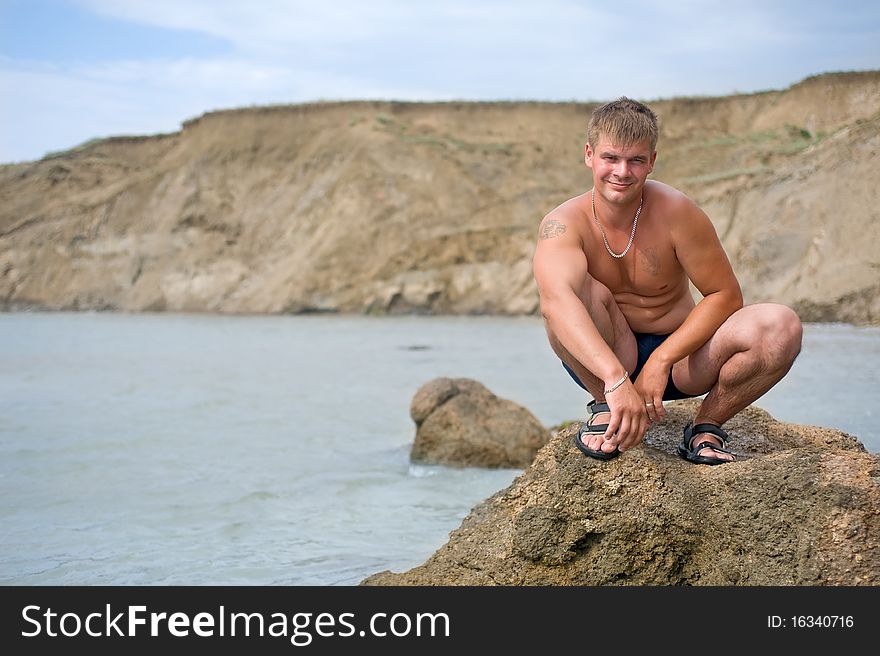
(621, 169)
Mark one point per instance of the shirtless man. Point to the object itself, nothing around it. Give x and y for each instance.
(612, 268)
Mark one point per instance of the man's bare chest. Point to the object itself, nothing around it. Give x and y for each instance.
(647, 269)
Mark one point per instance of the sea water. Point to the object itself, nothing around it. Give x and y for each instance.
(162, 449)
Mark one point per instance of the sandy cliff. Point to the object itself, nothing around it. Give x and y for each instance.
(433, 207)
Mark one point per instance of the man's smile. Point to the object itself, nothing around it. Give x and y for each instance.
(618, 185)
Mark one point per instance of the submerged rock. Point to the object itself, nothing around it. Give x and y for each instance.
(460, 422)
(800, 507)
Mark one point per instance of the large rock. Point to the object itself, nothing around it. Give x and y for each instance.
(802, 509)
(460, 422)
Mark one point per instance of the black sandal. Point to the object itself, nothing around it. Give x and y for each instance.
(691, 453)
(590, 429)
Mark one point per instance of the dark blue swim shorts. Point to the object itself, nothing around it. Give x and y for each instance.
(647, 344)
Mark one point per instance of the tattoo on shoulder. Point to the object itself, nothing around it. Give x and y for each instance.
(552, 228)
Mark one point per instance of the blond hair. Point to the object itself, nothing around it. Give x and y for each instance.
(625, 122)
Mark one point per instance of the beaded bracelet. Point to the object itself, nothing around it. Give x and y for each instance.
(618, 383)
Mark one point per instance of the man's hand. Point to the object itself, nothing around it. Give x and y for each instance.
(629, 419)
(650, 385)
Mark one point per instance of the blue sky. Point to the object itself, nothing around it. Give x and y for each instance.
(72, 70)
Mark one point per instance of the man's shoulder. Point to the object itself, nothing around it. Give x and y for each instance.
(672, 205)
(668, 194)
(565, 217)
(569, 210)
(563, 226)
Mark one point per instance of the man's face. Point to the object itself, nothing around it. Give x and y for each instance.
(619, 172)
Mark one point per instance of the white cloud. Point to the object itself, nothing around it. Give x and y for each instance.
(278, 26)
(267, 25)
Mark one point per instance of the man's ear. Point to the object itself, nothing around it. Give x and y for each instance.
(588, 156)
(653, 160)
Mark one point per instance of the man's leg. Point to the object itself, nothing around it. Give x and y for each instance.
(749, 354)
(612, 326)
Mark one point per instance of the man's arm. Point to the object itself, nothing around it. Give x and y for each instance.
(561, 270)
(703, 259)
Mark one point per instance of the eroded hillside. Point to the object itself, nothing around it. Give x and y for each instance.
(433, 207)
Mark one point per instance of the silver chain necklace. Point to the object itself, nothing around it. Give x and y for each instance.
(632, 234)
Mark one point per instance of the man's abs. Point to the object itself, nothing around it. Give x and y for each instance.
(655, 314)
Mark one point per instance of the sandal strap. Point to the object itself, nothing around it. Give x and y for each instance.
(598, 407)
(596, 428)
(712, 429)
(710, 445)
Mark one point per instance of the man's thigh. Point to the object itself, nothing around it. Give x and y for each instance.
(698, 373)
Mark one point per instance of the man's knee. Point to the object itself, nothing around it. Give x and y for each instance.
(598, 295)
(779, 332)
(787, 326)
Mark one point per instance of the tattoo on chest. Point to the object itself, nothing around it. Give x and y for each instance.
(552, 228)
(651, 260)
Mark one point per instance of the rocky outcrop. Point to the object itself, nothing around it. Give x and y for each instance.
(387, 207)
(802, 507)
(461, 423)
